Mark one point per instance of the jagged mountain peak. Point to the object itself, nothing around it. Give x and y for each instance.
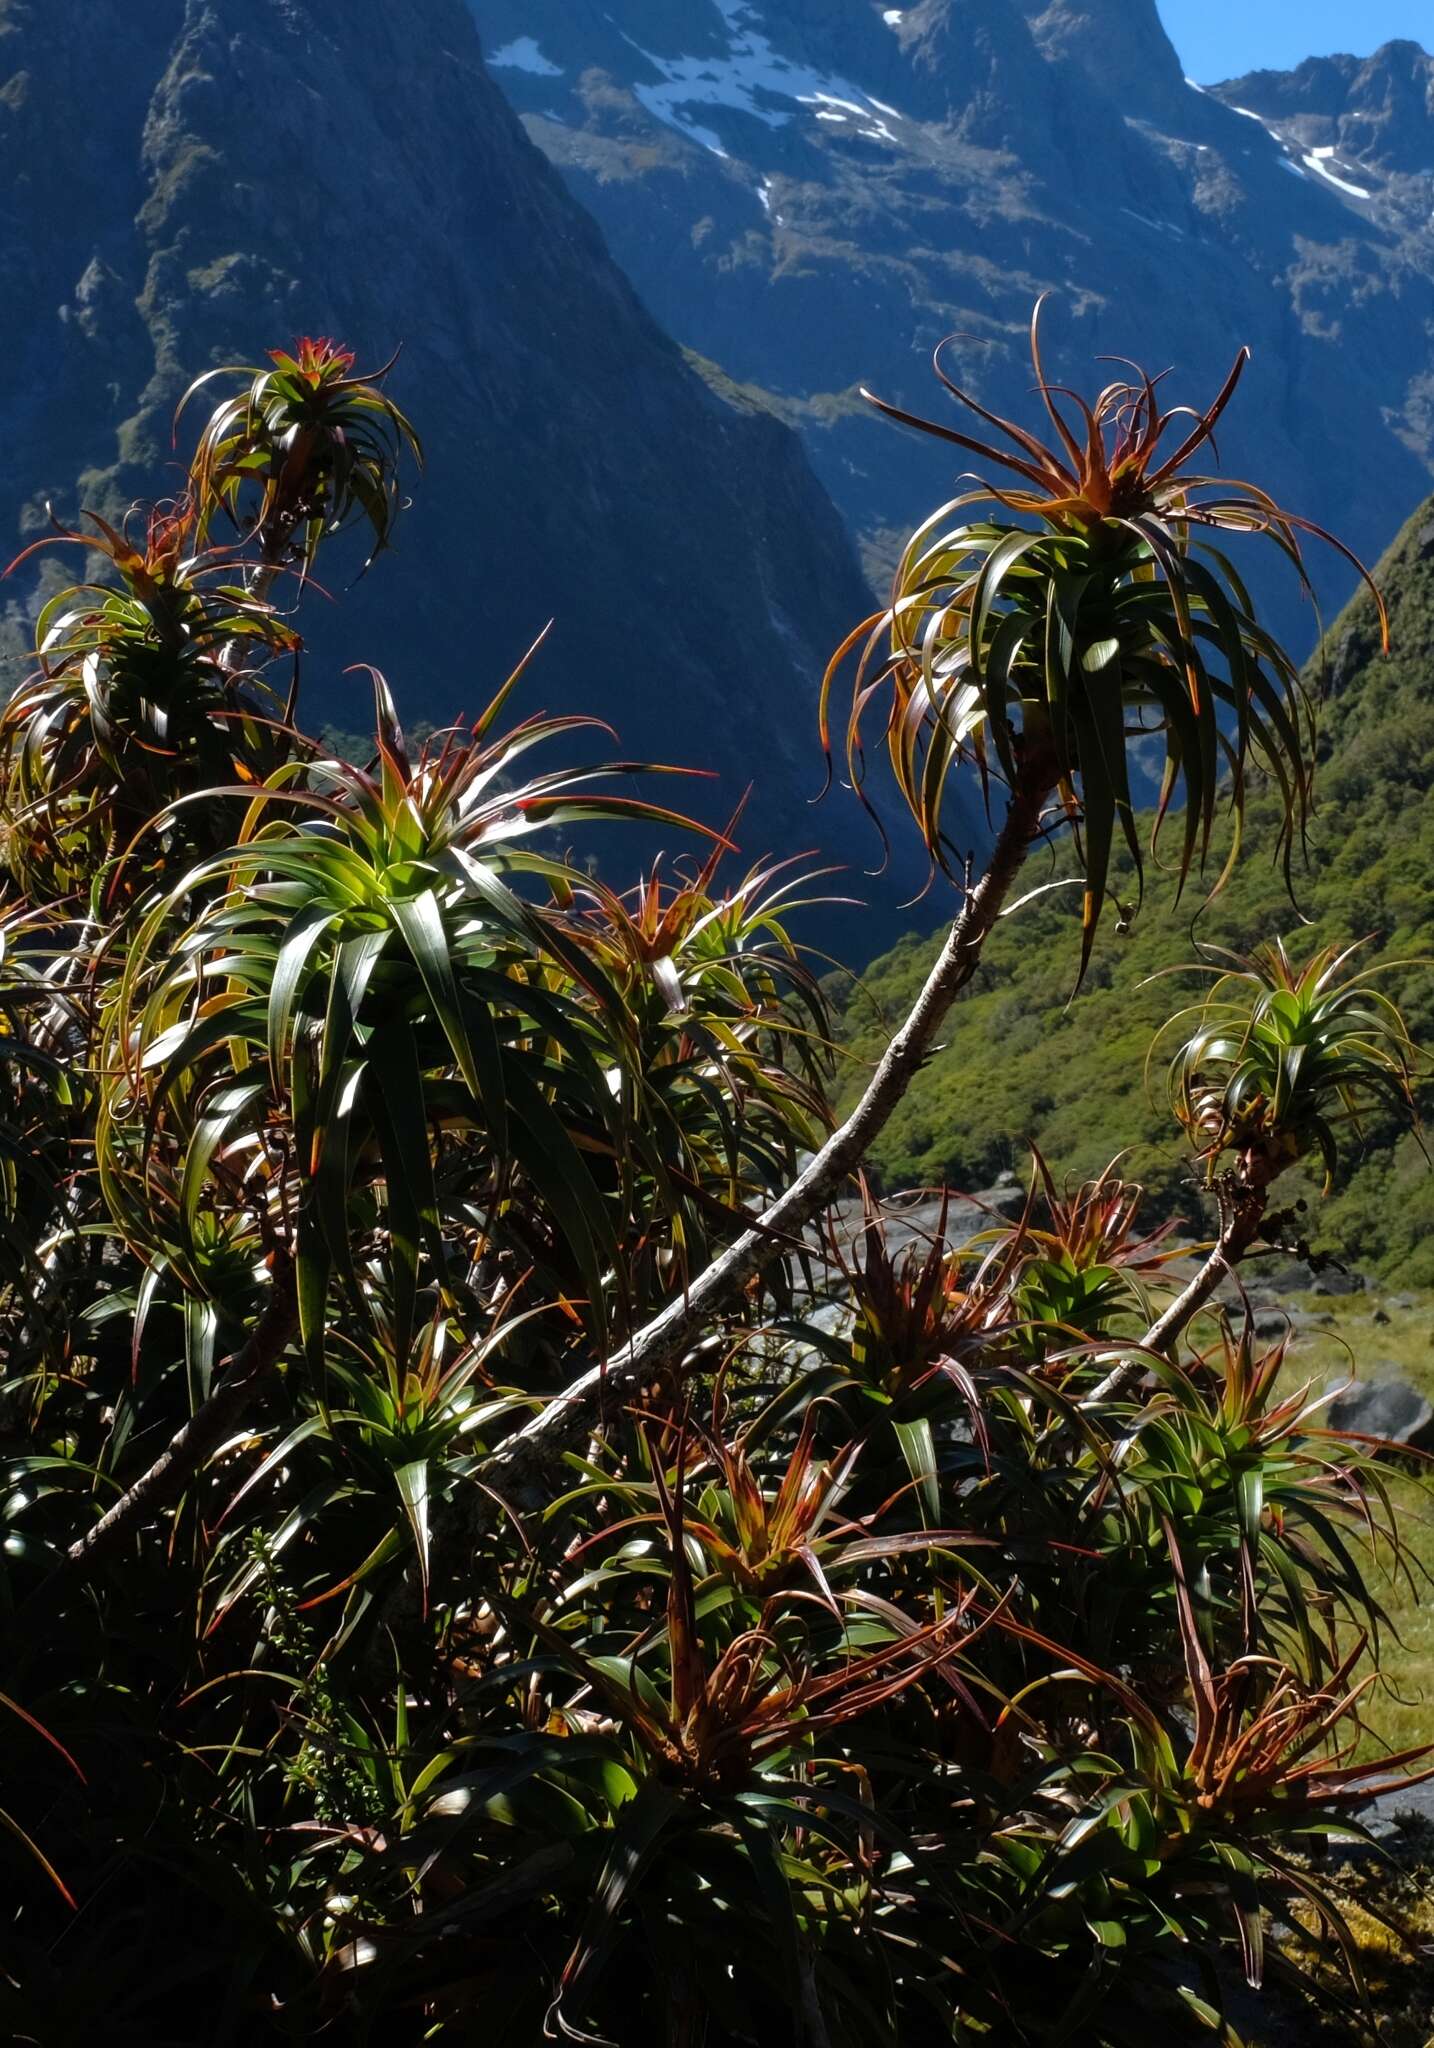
(1376, 112)
(1135, 23)
(1120, 45)
(1119, 48)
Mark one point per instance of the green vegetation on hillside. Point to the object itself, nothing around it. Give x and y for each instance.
(1025, 1062)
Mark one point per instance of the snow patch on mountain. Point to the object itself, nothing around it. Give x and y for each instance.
(1317, 161)
(746, 79)
(524, 54)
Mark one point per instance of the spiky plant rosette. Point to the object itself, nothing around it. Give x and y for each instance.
(730, 1022)
(145, 688)
(1095, 607)
(1086, 1265)
(366, 981)
(1285, 1053)
(305, 448)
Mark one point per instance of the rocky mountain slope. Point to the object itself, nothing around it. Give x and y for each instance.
(1024, 1063)
(1370, 117)
(190, 181)
(815, 192)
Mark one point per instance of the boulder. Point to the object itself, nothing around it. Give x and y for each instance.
(1386, 1407)
(1337, 1281)
(1273, 1323)
(914, 1218)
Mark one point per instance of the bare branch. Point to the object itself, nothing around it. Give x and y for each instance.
(1241, 1226)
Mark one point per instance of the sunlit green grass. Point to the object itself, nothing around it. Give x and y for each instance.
(1356, 1343)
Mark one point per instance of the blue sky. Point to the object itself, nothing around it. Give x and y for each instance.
(1224, 38)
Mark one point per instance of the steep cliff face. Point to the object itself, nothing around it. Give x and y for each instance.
(202, 178)
(816, 195)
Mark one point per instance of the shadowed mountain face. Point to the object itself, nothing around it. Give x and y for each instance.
(815, 194)
(190, 181)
